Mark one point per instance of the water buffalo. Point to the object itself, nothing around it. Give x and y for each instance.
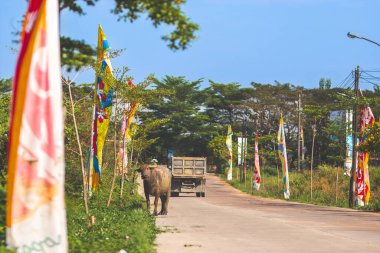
(157, 182)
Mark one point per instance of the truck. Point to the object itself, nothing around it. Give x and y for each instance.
(188, 175)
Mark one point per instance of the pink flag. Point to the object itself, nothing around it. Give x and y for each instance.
(256, 176)
(36, 218)
(125, 133)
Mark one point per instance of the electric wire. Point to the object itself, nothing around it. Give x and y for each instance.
(370, 82)
(347, 82)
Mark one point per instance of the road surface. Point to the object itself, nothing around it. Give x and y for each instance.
(227, 220)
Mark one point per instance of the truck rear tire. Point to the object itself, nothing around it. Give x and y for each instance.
(203, 194)
(198, 194)
(175, 194)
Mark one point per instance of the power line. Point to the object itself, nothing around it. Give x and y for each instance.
(370, 82)
(370, 76)
(372, 70)
(347, 82)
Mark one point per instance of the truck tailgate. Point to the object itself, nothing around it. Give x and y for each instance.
(189, 166)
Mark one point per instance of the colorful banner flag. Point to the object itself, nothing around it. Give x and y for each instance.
(242, 149)
(229, 146)
(303, 148)
(125, 133)
(256, 173)
(103, 94)
(363, 186)
(349, 144)
(36, 217)
(283, 157)
(129, 113)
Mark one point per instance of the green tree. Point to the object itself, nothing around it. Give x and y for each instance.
(219, 152)
(5, 85)
(224, 102)
(185, 130)
(318, 105)
(76, 53)
(328, 84)
(5, 105)
(270, 101)
(322, 84)
(372, 141)
(83, 109)
(336, 130)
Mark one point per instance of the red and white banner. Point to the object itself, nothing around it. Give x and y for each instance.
(36, 218)
(363, 185)
(256, 175)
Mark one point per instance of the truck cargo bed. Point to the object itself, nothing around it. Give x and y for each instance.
(188, 175)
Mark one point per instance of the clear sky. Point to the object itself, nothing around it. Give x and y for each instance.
(295, 41)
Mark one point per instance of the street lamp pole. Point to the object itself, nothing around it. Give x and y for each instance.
(353, 36)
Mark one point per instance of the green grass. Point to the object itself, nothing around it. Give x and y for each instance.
(2, 216)
(123, 226)
(327, 189)
(126, 224)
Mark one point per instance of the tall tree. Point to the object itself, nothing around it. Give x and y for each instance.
(185, 127)
(328, 84)
(322, 84)
(224, 101)
(5, 102)
(76, 53)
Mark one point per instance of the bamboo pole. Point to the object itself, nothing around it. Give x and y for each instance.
(115, 150)
(125, 154)
(278, 173)
(336, 185)
(122, 169)
(245, 156)
(312, 159)
(131, 156)
(78, 141)
(263, 166)
(92, 130)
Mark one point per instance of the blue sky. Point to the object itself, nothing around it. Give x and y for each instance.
(295, 41)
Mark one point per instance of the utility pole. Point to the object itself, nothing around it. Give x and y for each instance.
(244, 150)
(352, 194)
(299, 131)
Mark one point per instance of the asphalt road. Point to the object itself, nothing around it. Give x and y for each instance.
(227, 220)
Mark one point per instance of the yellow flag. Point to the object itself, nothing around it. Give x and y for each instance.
(102, 110)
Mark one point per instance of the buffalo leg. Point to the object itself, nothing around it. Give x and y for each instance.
(146, 192)
(147, 202)
(164, 203)
(156, 204)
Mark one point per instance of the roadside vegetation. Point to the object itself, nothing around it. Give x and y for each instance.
(125, 224)
(330, 186)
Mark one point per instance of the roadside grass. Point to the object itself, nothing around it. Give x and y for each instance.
(2, 216)
(125, 224)
(330, 186)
